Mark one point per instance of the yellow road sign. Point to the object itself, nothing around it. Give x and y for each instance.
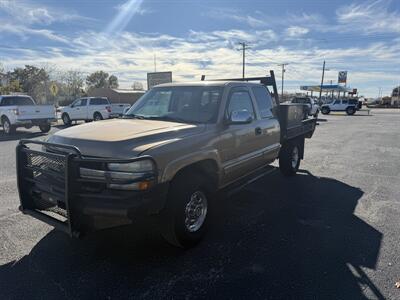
(54, 89)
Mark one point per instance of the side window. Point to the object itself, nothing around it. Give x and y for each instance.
(345, 101)
(83, 102)
(98, 101)
(77, 103)
(264, 101)
(336, 102)
(240, 101)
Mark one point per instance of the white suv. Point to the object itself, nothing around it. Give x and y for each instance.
(350, 106)
(87, 109)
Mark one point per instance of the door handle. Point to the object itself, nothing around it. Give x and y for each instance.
(258, 131)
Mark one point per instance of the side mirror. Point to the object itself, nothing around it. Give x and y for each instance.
(240, 117)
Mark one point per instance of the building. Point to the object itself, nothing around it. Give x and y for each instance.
(117, 95)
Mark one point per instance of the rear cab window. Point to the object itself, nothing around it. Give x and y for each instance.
(17, 101)
(264, 102)
(99, 101)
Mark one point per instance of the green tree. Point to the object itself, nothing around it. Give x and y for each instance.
(98, 79)
(113, 82)
(31, 79)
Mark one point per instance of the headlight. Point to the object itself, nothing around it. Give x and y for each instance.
(140, 166)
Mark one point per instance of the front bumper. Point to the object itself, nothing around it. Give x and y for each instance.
(51, 190)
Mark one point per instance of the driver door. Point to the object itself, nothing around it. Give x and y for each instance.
(240, 143)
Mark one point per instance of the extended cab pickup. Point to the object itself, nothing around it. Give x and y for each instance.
(173, 150)
(86, 109)
(22, 111)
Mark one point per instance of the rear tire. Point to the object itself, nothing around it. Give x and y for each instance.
(45, 128)
(97, 116)
(183, 222)
(350, 111)
(289, 159)
(325, 110)
(66, 119)
(7, 127)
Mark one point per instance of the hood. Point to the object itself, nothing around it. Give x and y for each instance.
(123, 138)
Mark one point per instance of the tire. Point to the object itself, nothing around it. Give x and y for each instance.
(7, 127)
(350, 110)
(289, 159)
(325, 110)
(66, 119)
(45, 128)
(97, 116)
(187, 192)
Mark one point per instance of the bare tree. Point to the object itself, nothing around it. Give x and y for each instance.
(137, 86)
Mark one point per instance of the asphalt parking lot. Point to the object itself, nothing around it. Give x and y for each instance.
(332, 232)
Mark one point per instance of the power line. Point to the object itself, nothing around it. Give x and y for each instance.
(245, 46)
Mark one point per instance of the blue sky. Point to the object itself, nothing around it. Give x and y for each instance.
(192, 38)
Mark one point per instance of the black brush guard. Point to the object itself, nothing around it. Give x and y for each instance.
(50, 185)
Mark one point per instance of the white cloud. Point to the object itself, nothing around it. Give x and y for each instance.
(25, 32)
(233, 14)
(370, 17)
(25, 12)
(296, 31)
(125, 14)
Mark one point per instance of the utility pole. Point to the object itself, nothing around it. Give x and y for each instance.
(245, 46)
(322, 82)
(283, 76)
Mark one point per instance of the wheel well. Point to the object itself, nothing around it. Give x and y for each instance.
(208, 168)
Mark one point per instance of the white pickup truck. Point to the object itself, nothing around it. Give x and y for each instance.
(22, 111)
(86, 109)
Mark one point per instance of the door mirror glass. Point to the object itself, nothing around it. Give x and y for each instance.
(240, 117)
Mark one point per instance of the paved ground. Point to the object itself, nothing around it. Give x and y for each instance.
(332, 232)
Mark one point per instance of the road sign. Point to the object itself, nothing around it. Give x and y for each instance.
(157, 78)
(342, 77)
(54, 89)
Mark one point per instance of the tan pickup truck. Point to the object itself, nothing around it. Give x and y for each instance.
(167, 157)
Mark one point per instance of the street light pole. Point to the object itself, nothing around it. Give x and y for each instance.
(322, 82)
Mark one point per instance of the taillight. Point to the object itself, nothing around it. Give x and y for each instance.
(108, 108)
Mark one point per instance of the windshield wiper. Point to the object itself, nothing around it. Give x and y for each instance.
(132, 116)
(171, 119)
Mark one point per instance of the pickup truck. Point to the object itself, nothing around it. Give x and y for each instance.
(350, 106)
(166, 158)
(313, 108)
(22, 111)
(86, 109)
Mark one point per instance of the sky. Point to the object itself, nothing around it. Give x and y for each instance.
(191, 38)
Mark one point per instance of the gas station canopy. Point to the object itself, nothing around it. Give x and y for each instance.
(326, 88)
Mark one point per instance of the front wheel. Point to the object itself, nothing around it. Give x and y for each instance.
(45, 128)
(289, 159)
(183, 222)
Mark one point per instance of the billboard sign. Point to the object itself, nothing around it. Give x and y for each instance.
(342, 77)
(157, 78)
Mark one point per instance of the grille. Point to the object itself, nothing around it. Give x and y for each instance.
(47, 175)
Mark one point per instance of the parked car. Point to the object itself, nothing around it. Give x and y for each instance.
(118, 109)
(350, 106)
(86, 109)
(173, 150)
(313, 107)
(22, 111)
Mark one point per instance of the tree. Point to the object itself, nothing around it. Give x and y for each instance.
(137, 86)
(113, 82)
(98, 79)
(72, 84)
(32, 80)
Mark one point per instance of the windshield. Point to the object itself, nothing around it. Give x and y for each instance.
(191, 104)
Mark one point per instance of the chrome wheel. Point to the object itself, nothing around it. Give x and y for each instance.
(295, 157)
(196, 211)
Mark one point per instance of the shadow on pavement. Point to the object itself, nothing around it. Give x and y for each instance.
(279, 238)
(20, 134)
